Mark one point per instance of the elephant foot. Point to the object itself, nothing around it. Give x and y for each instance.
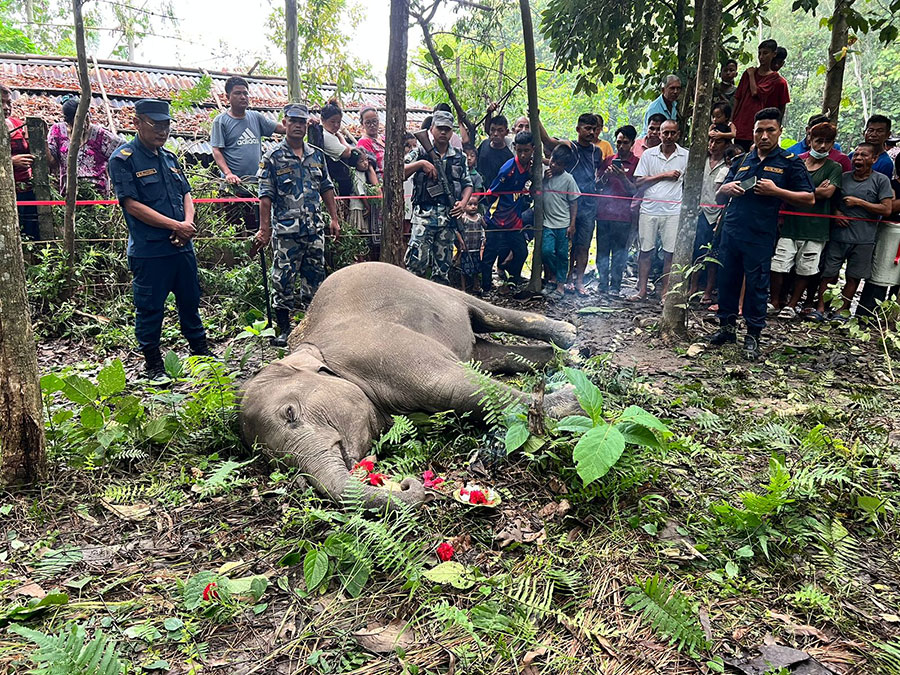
(563, 334)
(562, 403)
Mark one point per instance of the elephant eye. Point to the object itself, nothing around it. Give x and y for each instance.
(290, 414)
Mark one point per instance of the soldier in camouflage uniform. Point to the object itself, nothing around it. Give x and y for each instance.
(434, 215)
(293, 181)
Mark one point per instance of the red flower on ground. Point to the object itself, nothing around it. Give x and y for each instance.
(376, 479)
(210, 592)
(430, 480)
(445, 551)
(463, 492)
(477, 497)
(366, 464)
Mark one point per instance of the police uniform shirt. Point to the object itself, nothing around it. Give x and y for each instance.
(295, 187)
(154, 180)
(455, 168)
(753, 218)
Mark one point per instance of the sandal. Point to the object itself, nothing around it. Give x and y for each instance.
(787, 312)
(813, 315)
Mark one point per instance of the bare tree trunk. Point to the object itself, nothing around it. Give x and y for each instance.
(857, 70)
(22, 454)
(40, 174)
(837, 60)
(674, 317)
(442, 74)
(392, 244)
(77, 135)
(537, 169)
(290, 45)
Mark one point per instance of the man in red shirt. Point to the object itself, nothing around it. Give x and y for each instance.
(21, 161)
(759, 88)
(614, 212)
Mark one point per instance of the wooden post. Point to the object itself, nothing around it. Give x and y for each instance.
(674, 317)
(110, 119)
(290, 44)
(84, 102)
(537, 169)
(40, 173)
(22, 445)
(393, 247)
(837, 59)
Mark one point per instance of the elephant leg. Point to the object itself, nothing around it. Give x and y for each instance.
(511, 359)
(487, 318)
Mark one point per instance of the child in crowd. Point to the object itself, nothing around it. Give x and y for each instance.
(721, 126)
(469, 240)
(560, 208)
(472, 163)
(362, 178)
(409, 144)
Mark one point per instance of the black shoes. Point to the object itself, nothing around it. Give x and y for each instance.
(199, 347)
(283, 319)
(154, 366)
(725, 335)
(751, 347)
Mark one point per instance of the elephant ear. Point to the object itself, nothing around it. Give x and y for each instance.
(308, 358)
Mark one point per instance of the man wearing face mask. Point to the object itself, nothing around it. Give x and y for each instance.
(156, 198)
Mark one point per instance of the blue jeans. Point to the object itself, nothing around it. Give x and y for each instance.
(555, 252)
(612, 253)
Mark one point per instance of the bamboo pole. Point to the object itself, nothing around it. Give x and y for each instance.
(109, 115)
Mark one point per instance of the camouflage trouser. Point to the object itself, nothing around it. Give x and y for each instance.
(293, 253)
(430, 249)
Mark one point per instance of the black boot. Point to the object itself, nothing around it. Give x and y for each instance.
(725, 335)
(283, 319)
(199, 347)
(154, 364)
(751, 346)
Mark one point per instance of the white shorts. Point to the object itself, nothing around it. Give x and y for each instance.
(804, 255)
(666, 227)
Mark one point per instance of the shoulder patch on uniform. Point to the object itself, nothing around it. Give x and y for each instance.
(789, 155)
(145, 172)
(262, 165)
(773, 169)
(175, 169)
(283, 171)
(125, 152)
(743, 168)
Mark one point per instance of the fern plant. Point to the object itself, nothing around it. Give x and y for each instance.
(67, 653)
(669, 612)
(225, 478)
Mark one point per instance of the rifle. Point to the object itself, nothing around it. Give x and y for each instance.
(443, 185)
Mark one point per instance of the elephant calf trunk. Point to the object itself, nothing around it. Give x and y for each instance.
(332, 478)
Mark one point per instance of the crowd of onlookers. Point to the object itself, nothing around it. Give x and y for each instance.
(470, 213)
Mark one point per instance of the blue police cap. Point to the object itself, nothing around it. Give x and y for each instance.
(296, 110)
(156, 110)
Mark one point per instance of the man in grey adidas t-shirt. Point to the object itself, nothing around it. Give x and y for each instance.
(235, 140)
(236, 134)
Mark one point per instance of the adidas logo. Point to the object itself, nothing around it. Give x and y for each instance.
(247, 138)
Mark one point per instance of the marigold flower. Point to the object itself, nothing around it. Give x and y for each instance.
(366, 464)
(376, 479)
(430, 480)
(210, 592)
(445, 551)
(477, 497)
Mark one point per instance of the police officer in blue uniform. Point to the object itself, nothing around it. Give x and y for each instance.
(156, 199)
(755, 188)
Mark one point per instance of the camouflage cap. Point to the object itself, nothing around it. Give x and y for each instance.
(297, 111)
(442, 118)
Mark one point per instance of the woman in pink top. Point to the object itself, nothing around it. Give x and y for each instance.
(97, 146)
(373, 141)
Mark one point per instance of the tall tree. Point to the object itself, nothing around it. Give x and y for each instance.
(291, 54)
(837, 52)
(392, 245)
(77, 134)
(22, 454)
(674, 317)
(537, 169)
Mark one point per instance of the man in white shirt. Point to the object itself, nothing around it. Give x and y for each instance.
(660, 175)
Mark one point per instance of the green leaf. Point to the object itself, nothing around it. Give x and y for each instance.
(745, 552)
(91, 418)
(248, 586)
(52, 383)
(597, 310)
(354, 578)
(127, 408)
(289, 559)
(597, 451)
(174, 366)
(158, 664)
(638, 415)
(870, 505)
(315, 567)
(575, 423)
(731, 569)
(111, 380)
(33, 606)
(79, 390)
(587, 393)
(157, 431)
(516, 436)
(452, 573)
(638, 435)
(446, 52)
(173, 623)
